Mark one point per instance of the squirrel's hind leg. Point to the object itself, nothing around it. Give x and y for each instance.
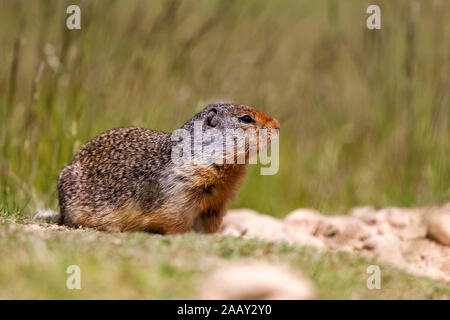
(209, 220)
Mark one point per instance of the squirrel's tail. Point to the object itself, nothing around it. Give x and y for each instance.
(48, 215)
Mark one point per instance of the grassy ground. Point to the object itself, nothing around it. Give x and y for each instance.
(143, 266)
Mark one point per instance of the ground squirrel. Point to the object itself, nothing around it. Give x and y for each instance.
(126, 180)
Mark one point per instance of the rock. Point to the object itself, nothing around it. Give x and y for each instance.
(304, 220)
(301, 225)
(303, 239)
(349, 233)
(308, 227)
(398, 236)
(403, 222)
(245, 280)
(438, 223)
(386, 247)
(251, 224)
(426, 257)
(366, 214)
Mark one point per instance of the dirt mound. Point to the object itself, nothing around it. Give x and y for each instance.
(416, 240)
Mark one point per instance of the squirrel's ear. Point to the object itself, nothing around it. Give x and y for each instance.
(211, 118)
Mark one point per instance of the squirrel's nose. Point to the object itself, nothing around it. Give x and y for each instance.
(273, 124)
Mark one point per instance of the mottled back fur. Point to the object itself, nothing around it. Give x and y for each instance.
(125, 179)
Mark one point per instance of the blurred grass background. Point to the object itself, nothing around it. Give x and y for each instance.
(364, 114)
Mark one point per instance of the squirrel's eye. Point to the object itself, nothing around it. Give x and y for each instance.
(246, 119)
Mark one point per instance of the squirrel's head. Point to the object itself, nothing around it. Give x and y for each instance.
(222, 116)
(257, 128)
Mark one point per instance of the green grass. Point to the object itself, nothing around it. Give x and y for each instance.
(364, 121)
(364, 114)
(140, 265)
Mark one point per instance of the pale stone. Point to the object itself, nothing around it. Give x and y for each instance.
(439, 226)
(243, 280)
(251, 224)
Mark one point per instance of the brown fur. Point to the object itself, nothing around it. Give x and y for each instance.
(125, 180)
